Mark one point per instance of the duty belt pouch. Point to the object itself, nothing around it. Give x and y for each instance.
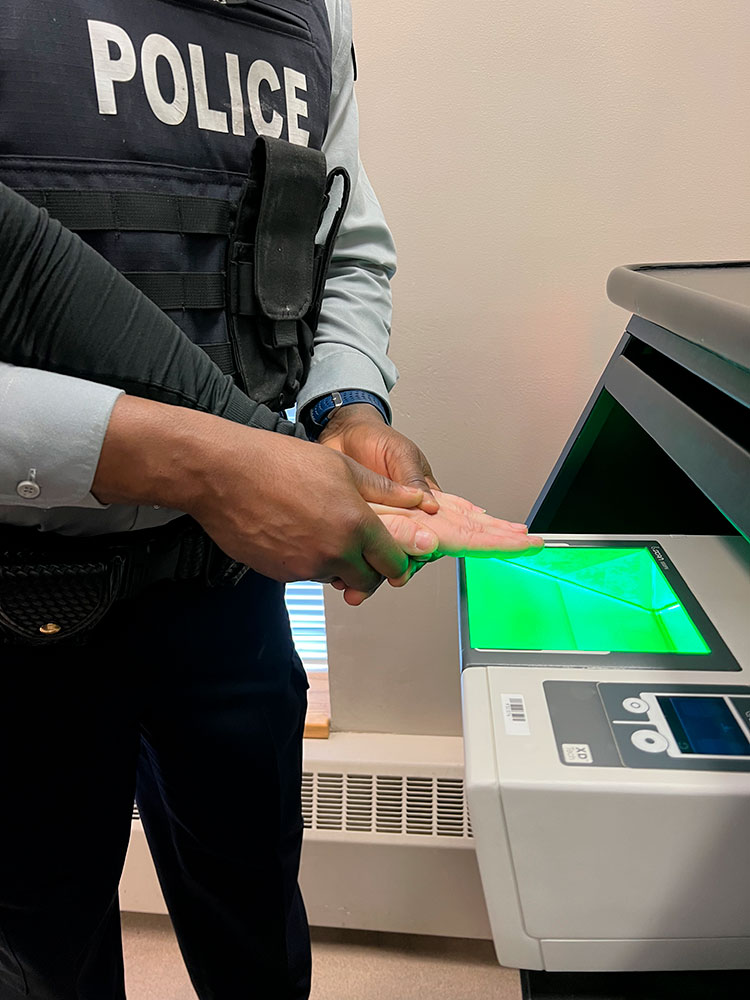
(43, 601)
(275, 269)
(57, 588)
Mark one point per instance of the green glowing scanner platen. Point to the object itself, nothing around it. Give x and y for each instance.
(592, 599)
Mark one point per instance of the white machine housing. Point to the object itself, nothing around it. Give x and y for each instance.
(607, 868)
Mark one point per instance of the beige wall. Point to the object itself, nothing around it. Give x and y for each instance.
(521, 150)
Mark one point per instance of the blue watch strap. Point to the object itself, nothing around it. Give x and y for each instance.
(321, 412)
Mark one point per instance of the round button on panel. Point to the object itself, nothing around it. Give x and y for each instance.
(635, 705)
(649, 741)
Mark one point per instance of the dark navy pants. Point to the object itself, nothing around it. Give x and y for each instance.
(193, 701)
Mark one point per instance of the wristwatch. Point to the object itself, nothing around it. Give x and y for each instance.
(317, 416)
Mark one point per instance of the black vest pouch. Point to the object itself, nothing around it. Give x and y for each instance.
(276, 271)
(43, 600)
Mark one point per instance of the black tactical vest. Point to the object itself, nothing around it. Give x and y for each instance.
(133, 122)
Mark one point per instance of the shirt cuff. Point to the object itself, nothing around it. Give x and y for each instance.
(53, 428)
(336, 367)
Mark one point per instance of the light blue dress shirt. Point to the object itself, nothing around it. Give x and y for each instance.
(52, 426)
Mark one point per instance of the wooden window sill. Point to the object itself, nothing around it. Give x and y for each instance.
(318, 721)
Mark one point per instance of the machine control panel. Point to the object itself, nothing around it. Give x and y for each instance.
(685, 727)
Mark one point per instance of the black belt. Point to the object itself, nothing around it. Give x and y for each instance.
(54, 587)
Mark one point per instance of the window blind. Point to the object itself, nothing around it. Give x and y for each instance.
(304, 602)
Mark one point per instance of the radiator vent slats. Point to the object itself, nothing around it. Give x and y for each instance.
(383, 803)
(359, 802)
(420, 806)
(416, 805)
(452, 820)
(329, 802)
(389, 803)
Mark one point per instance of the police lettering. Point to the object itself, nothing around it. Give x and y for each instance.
(115, 61)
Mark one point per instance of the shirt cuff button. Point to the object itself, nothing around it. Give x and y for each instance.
(28, 489)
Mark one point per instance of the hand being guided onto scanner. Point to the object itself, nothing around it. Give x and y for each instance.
(443, 524)
(459, 528)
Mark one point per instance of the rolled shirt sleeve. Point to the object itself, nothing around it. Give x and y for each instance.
(351, 342)
(53, 431)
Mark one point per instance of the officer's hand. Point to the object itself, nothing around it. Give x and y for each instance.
(288, 508)
(360, 432)
(294, 511)
(460, 529)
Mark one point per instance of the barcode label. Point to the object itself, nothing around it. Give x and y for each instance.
(514, 715)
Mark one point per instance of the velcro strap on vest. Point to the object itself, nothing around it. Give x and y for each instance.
(129, 211)
(291, 181)
(243, 301)
(221, 355)
(181, 289)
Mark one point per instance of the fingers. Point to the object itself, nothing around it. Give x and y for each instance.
(412, 539)
(460, 503)
(535, 544)
(457, 503)
(481, 521)
(460, 532)
(427, 484)
(467, 517)
(382, 552)
(386, 551)
(378, 489)
(352, 596)
(429, 503)
(508, 546)
(360, 576)
(414, 567)
(377, 556)
(407, 464)
(355, 597)
(410, 535)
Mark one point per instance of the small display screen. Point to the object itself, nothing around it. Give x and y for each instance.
(704, 726)
(588, 598)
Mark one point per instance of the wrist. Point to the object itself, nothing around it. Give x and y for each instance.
(319, 414)
(356, 413)
(154, 453)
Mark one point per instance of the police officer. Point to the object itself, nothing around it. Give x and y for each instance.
(197, 690)
(138, 660)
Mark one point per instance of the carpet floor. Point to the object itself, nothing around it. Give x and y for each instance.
(348, 965)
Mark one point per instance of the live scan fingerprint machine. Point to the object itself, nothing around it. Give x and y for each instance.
(606, 681)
